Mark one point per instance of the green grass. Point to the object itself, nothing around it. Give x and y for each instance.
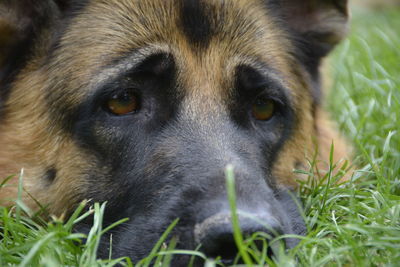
(354, 224)
(360, 222)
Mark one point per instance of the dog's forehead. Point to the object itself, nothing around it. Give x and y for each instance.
(206, 37)
(198, 20)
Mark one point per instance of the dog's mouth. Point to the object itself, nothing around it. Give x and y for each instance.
(212, 237)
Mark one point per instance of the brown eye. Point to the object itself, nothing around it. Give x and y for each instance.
(263, 109)
(123, 103)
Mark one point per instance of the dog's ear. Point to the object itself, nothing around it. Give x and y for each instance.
(320, 23)
(21, 21)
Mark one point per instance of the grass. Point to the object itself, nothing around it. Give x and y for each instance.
(353, 224)
(360, 222)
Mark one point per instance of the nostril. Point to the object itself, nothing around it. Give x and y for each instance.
(215, 235)
(220, 244)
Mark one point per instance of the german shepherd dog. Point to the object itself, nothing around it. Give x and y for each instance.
(143, 103)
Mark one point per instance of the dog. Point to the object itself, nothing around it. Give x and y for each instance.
(143, 103)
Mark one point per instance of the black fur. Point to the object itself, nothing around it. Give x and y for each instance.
(38, 13)
(309, 47)
(196, 23)
(310, 56)
(69, 9)
(50, 175)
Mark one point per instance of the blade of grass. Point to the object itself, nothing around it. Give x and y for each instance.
(237, 233)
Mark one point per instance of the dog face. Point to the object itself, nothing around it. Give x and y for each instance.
(144, 103)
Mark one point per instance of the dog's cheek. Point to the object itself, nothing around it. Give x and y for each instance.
(54, 168)
(311, 138)
(71, 183)
(58, 180)
(299, 147)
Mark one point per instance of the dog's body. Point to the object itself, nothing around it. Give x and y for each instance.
(142, 103)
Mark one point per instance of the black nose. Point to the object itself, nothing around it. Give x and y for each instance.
(215, 234)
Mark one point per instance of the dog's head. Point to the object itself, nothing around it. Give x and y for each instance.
(144, 103)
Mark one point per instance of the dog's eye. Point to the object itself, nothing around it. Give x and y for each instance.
(263, 109)
(123, 103)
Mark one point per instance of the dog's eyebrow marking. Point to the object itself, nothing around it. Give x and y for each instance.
(124, 65)
(254, 75)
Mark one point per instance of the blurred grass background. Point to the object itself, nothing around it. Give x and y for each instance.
(360, 224)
